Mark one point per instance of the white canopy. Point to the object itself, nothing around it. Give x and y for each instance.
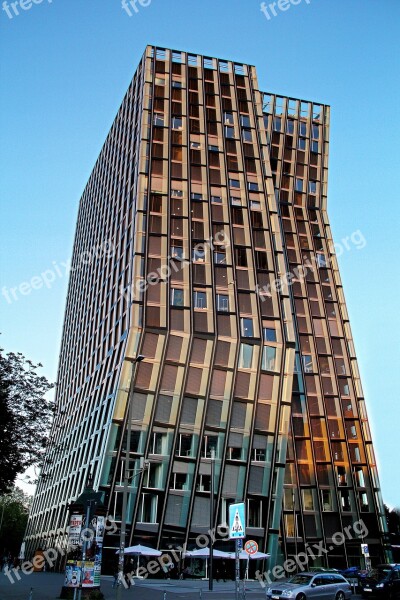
(244, 556)
(205, 553)
(140, 550)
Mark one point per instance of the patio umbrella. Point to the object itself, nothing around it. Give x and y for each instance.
(205, 553)
(139, 551)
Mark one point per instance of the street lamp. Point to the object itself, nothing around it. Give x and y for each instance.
(211, 575)
(143, 466)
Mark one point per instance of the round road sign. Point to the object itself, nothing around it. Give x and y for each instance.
(251, 547)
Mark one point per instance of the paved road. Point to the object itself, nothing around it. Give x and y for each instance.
(47, 586)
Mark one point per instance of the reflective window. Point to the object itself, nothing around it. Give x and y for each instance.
(200, 300)
(268, 358)
(177, 297)
(246, 327)
(222, 303)
(245, 356)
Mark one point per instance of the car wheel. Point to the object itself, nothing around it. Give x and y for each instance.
(301, 597)
(340, 596)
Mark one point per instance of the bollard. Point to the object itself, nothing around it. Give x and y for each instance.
(31, 594)
(200, 594)
(165, 595)
(244, 591)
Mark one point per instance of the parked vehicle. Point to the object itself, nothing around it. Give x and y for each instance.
(322, 570)
(327, 586)
(382, 582)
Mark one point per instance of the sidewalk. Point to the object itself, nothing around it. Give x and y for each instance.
(47, 586)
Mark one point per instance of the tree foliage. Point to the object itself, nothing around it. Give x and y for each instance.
(25, 416)
(14, 510)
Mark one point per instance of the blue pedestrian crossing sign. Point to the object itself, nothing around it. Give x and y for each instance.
(237, 521)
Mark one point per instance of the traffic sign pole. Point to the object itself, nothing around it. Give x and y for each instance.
(237, 568)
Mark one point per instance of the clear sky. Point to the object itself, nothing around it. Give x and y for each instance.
(66, 65)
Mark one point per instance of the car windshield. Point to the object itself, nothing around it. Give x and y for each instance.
(379, 574)
(300, 579)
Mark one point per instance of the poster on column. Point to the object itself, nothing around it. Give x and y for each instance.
(73, 566)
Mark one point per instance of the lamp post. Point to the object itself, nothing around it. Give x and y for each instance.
(294, 524)
(127, 426)
(210, 579)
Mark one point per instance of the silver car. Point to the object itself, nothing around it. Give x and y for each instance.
(328, 586)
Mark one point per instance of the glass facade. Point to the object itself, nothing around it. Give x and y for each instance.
(213, 197)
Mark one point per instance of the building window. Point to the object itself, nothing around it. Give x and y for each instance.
(222, 303)
(216, 199)
(199, 253)
(312, 187)
(241, 257)
(179, 481)
(315, 132)
(252, 186)
(314, 147)
(158, 120)
(290, 127)
(228, 118)
(245, 356)
(200, 300)
(341, 476)
(235, 453)
(234, 183)
(219, 258)
(303, 129)
(307, 363)
(299, 185)
(259, 454)
(177, 297)
(177, 122)
(195, 196)
(326, 498)
(308, 499)
(148, 509)
(158, 443)
(269, 334)
(203, 483)
(247, 135)
(246, 327)
(301, 144)
(229, 133)
(268, 358)
(277, 124)
(177, 252)
(210, 442)
(184, 445)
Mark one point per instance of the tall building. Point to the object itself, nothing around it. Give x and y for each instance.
(203, 244)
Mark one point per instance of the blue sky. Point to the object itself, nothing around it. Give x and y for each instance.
(66, 65)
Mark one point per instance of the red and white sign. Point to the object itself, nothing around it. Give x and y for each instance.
(251, 547)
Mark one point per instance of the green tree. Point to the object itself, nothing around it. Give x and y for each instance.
(25, 416)
(14, 510)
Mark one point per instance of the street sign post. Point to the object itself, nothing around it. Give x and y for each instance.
(251, 547)
(237, 521)
(237, 531)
